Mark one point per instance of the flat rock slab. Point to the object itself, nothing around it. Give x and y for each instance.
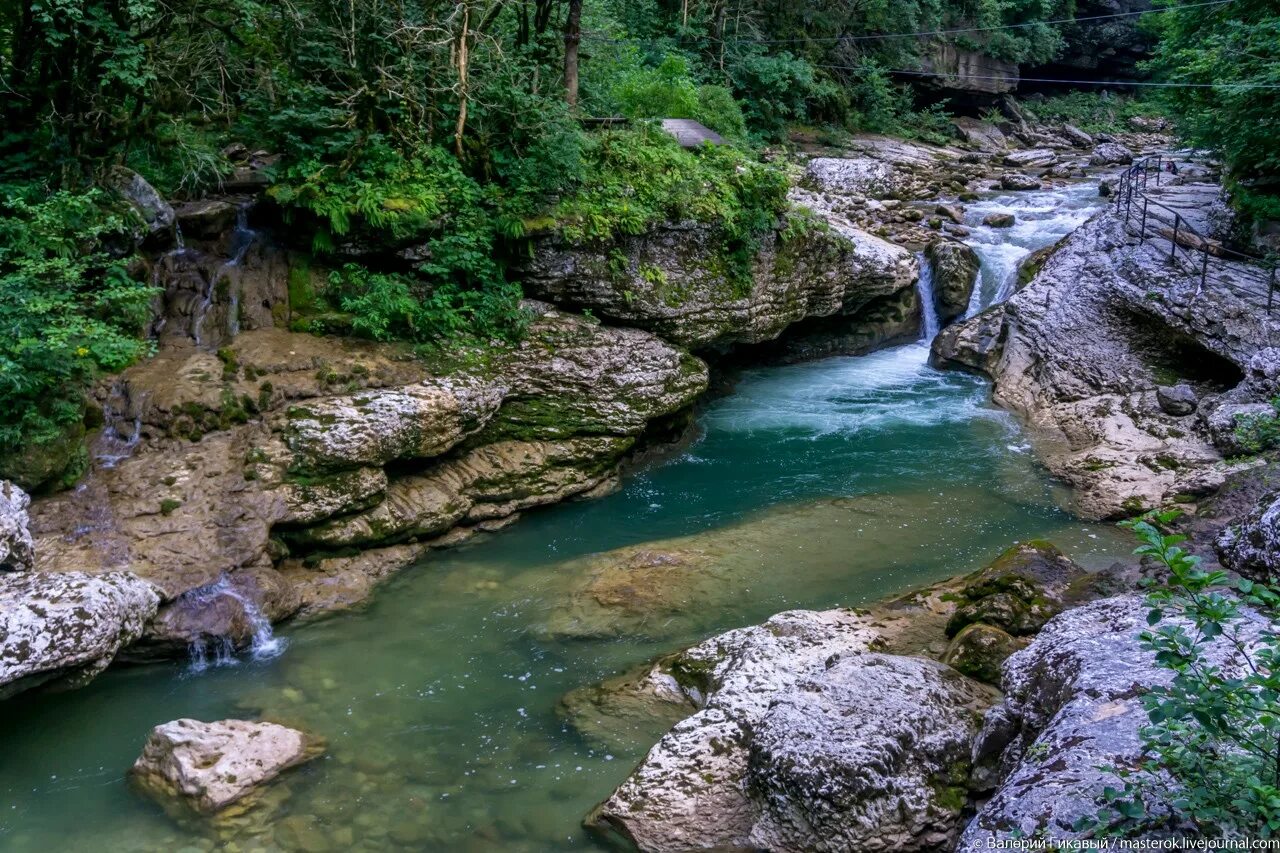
(66, 627)
(211, 766)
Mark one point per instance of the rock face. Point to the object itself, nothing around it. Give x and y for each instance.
(804, 740)
(1072, 709)
(209, 767)
(155, 213)
(63, 629)
(1081, 351)
(314, 444)
(1252, 547)
(16, 550)
(968, 71)
(677, 283)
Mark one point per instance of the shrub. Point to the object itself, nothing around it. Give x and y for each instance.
(69, 309)
(1213, 744)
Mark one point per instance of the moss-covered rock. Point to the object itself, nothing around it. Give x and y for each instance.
(1019, 591)
(48, 465)
(979, 650)
(955, 272)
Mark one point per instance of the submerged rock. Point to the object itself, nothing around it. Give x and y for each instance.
(64, 628)
(17, 553)
(209, 767)
(805, 739)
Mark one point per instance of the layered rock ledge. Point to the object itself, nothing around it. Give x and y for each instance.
(1132, 376)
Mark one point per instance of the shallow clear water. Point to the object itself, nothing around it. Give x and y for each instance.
(835, 482)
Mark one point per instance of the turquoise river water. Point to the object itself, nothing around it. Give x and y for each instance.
(839, 482)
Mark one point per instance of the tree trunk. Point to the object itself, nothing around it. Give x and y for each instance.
(462, 81)
(572, 36)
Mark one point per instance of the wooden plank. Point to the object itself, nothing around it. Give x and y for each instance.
(689, 133)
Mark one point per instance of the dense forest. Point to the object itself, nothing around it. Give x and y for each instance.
(458, 127)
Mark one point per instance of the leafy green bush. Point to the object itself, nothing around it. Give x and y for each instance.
(397, 306)
(1213, 743)
(1261, 432)
(668, 91)
(636, 178)
(69, 309)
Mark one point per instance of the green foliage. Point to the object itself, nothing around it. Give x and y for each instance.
(636, 178)
(668, 91)
(396, 306)
(1213, 743)
(1095, 112)
(69, 308)
(1233, 48)
(1261, 432)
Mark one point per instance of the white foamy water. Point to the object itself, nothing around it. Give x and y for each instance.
(1040, 219)
(854, 394)
(896, 388)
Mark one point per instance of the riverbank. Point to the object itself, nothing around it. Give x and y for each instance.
(849, 480)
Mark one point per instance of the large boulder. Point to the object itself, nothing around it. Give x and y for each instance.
(16, 550)
(863, 176)
(805, 739)
(1070, 722)
(62, 629)
(1018, 181)
(156, 215)
(1252, 547)
(1110, 154)
(209, 767)
(677, 282)
(980, 134)
(1031, 157)
(955, 273)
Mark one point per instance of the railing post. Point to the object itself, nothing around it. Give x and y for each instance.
(1271, 288)
(1159, 167)
(1204, 267)
(1173, 247)
(1142, 232)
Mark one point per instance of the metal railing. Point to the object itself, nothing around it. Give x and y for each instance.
(1133, 204)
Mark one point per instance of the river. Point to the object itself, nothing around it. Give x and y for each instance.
(844, 481)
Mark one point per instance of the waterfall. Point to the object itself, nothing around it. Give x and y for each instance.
(928, 306)
(121, 432)
(220, 650)
(242, 237)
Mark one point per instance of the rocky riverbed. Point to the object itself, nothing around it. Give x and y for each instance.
(249, 474)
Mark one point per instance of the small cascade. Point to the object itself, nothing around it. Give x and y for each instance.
(122, 427)
(242, 239)
(930, 322)
(220, 651)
